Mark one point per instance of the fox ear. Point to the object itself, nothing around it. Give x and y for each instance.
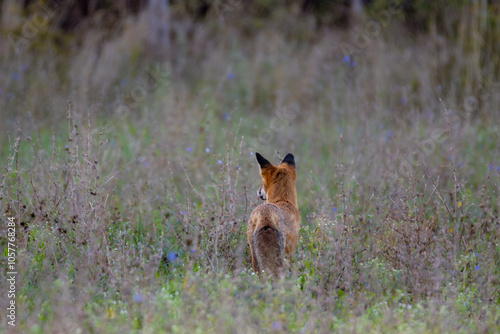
(262, 161)
(289, 159)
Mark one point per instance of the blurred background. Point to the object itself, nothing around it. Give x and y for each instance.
(128, 131)
(170, 68)
(244, 54)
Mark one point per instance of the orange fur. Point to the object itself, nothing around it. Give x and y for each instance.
(273, 227)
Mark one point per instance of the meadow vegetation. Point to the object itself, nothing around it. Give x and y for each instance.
(131, 178)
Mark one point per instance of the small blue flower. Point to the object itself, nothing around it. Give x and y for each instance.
(16, 76)
(138, 297)
(207, 150)
(498, 169)
(231, 76)
(237, 167)
(123, 82)
(226, 116)
(476, 254)
(219, 162)
(189, 149)
(183, 213)
(172, 256)
(460, 165)
(478, 267)
(349, 61)
(145, 163)
(389, 135)
(251, 153)
(334, 209)
(193, 250)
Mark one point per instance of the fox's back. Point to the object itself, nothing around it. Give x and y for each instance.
(283, 216)
(266, 214)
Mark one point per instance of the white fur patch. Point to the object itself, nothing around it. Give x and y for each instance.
(262, 194)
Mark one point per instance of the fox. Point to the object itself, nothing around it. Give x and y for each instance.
(273, 226)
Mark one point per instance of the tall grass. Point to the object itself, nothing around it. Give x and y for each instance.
(132, 181)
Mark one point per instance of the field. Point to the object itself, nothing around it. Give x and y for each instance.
(130, 178)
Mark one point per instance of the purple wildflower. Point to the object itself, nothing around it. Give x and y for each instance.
(172, 256)
(138, 298)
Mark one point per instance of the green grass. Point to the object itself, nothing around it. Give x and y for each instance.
(134, 220)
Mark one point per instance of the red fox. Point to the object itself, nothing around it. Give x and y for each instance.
(273, 227)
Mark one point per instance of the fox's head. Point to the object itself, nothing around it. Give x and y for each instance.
(278, 182)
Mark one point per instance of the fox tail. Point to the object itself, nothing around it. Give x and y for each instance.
(269, 251)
